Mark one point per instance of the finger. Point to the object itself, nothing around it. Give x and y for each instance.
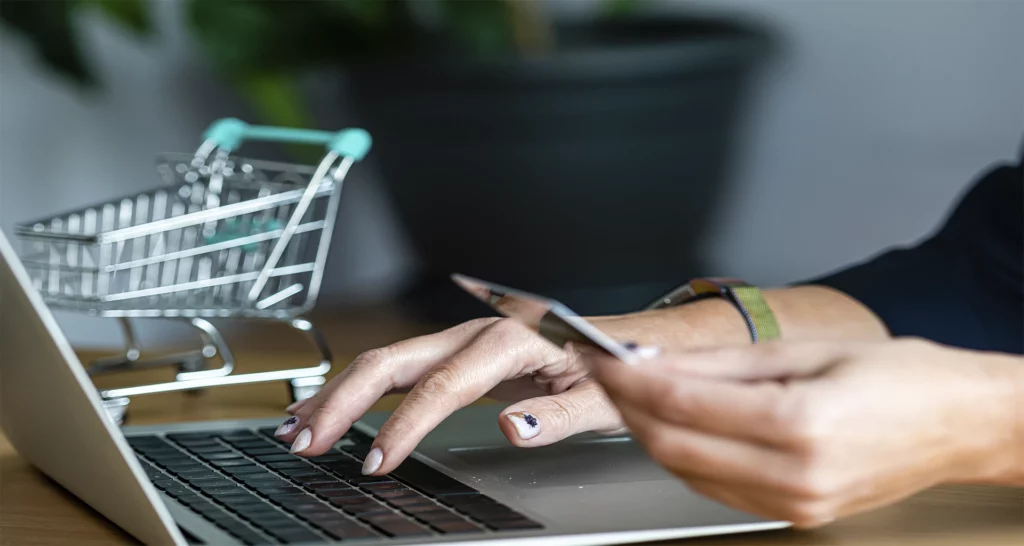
(773, 360)
(694, 454)
(504, 350)
(320, 422)
(740, 499)
(548, 419)
(741, 410)
(766, 504)
(295, 406)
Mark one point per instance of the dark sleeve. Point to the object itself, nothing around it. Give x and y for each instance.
(962, 286)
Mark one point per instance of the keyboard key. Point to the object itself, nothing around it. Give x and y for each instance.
(289, 464)
(330, 458)
(343, 529)
(168, 457)
(363, 481)
(385, 486)
(413, 503)
(297, 472)
(261, 450)
(221, 489)
(264, 479)
(200, 444)
(429, 480)
(297, 535)
(285, 500)
(270, 490)
(359, 451)
(240, 433)
(319, 477)
(222, 463)
(277, 457)
(366, 510)
(211, 448)
(201, 473)
(245, 534)
(316, 486)
(239, 470)
(455, 526)
(187, 436)
(249, 444)
(221, 455)
(400, 528)
(388, 495)
(183, 466)
(345, 468)
(189, 498)
(261, 513)
(156, 452)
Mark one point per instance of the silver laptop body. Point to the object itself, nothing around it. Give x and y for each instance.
(586, 490)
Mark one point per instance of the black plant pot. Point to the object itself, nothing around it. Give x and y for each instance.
(588, 175)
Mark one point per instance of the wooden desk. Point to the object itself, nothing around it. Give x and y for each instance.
(34, 510)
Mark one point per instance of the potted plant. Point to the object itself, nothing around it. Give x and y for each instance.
(578, 157)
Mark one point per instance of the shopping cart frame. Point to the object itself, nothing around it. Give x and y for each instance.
(215, 159)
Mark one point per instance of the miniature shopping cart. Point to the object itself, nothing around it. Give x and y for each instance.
(225, 237)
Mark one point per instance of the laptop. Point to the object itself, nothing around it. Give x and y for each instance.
(232, 482)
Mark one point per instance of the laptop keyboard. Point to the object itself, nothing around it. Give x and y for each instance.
(245, 482)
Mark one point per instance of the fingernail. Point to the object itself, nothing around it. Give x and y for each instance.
(302, 441)
(527, 425)
(647, 351)
(372, 461)
(287, 426)
(291, 407)
(643, 351)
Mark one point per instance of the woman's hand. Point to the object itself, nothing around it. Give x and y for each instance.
(812, 432)
(443, 372)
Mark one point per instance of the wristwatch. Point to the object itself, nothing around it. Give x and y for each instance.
(747, 299)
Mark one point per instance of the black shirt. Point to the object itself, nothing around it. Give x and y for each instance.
(962, 286)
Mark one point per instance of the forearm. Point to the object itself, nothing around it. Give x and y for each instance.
(803, 313)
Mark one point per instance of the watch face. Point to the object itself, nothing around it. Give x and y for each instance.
(549, 318)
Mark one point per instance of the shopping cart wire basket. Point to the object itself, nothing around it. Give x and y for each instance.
(223, 237)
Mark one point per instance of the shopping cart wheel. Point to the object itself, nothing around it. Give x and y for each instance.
(117, 410)
(302, 388)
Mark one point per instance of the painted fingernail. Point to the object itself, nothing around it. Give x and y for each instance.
(372, 461)
(643, 351)
(527, 425)
(287, 426)
(293, 406)
(302, 441)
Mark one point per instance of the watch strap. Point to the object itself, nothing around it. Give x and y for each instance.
(747, 299)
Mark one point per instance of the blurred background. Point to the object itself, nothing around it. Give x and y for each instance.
(597, 151)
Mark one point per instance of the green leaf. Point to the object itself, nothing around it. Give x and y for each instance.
(481, 26)
(618, 8)
(372, 13)
(276, 99)
(49, 28)
(133, 14)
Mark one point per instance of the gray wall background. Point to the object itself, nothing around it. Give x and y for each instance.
(864, 132)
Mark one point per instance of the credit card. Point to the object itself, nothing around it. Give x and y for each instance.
(551, 319)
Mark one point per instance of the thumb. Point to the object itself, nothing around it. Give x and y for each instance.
(549, 419)
(766, 361)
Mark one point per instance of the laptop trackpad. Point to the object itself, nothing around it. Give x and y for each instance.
(594, 462)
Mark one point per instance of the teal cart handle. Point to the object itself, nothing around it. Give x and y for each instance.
(229, 133)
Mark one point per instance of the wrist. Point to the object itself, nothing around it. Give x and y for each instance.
(701, 324)
(992, 450)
